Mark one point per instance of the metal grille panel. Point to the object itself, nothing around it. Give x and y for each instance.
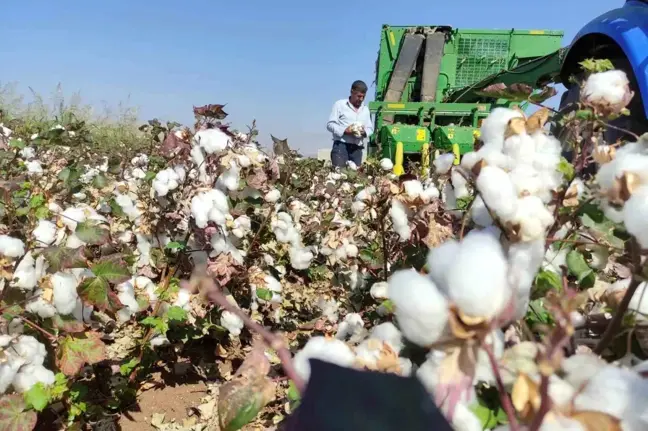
(479, 57)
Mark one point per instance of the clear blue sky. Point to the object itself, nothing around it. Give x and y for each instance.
(283, 62)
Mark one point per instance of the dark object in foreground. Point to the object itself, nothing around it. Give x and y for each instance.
(344, 399)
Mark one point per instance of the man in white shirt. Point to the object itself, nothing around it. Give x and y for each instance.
(350, 124)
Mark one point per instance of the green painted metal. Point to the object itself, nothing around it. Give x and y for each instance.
(471, 60)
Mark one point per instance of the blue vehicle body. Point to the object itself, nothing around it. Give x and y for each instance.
(627, 27)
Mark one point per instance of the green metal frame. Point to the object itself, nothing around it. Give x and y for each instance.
(471, 59)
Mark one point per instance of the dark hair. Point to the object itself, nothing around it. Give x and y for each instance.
(359, 86)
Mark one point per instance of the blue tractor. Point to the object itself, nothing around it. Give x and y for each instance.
(620, 35)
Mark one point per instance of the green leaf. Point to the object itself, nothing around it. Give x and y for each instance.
(128, 367)
(91, 233)
(20, 212)
(566, 168)
(100, 181)
(79, 349)
(175, 245)
(293, 393)
(149, 176)
(60, 387)
(578, 267)
(96, 291)
(264, 294)
(177, 314)
(596, 65)
(486, 416)
(13, 416)
(546, 281)
(584, 114)
(388, 306)
(17, 143)
(42, 212)
(60, 258)
(38, 397)
(115, 209)
(111, 271)
(156, 322)
(36, 201)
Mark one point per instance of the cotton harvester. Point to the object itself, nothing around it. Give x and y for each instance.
(431, 80)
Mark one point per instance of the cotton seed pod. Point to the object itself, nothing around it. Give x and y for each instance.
(477, 167)
(526, 397)
(603, 154)
(516, 126)
(537, 121)
(623, 188)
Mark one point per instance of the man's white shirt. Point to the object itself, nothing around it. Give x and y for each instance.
(343, 115)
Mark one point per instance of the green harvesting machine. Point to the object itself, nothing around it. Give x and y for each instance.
(430, 81)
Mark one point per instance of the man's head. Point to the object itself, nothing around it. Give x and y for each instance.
(358, 93)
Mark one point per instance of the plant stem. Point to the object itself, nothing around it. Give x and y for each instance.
(506, 401)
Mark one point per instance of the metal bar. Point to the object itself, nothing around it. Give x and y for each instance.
(402, 70)
(434, 44)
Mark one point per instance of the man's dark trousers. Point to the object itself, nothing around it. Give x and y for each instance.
(342, 152)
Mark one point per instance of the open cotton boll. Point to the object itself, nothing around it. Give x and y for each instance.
(25, 277)
(398, 214)
(619, 392)
(29, 350)
(28, 153)
(386, 164)
(31, 374)
(443, 163)
(388, 333)
(479, 213)
(439, 261)
(635, 215)
(209, 206)
(300, 257)
(497, 191)
(229, 180)
(459, 184)
(365, 194)
(421, 310)
(520, 148)
(126, 295)
(232, 323)
(165, 181)
(212, 140)
(242, 226)
(532, 217)
(608, 91)
(379, 290)
(128, 206)
(11, 247)
(45, 233)
(272, 196)
(413, 188)
(65, 292)
(34, 167)
(329, 350)
(494, 126)
(525, 259)
(40, 306)
(483, 291)
(352, 326)
(222, 244)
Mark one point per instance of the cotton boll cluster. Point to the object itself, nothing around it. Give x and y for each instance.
(128, 206)
(168, 180)
(266, 283)
(624, 184)
(11, 247)
(286, 232)
(34, 168)
(229, 180)
(212, 140)
(338, 249)
(443, 163)
(231, 321)
(28, 272)
(210, 206)
(607, 92)
(47, 233)
(22, 365)
(386, 164)
(272, 196)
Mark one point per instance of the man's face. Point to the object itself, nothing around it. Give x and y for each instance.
(357, 97)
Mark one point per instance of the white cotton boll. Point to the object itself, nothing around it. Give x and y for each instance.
(398, 214)
(8, 371)
(439, 261)
(25, 276)
(521, 148)
(388, 333)
(351, 165)
(527, 181)
(469, 160)
(243, 160)
(29, 375)
(212, 140)
(242, 226)
(183, 299)
(443, 163)
(41, 307)
(65, 292)
(82, 312)
(635, 215)
(300, 257)
(479, 213)
(532, 217)
(222, 244)
(352, 326)
(413, 188)
(74, 242)
(421, 310)
(232, 323)
(386, 164)
(379, 290)
(11, 247)
(525, 259)
(159, 340)
(229, 180)
(44, 233)
(554, 259)
(494, 126)
(497, 191)
(465, 420)
(165, 181)
(29, 350)
(128, 206)
(27, 153)
(138, 173)
(430, 193)
(619, 392)
(459, 184)
(357, 207)
(34, 167)
(72, 216)
(483, 291)
(607, 88)
(329, 350)
(272, 196)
